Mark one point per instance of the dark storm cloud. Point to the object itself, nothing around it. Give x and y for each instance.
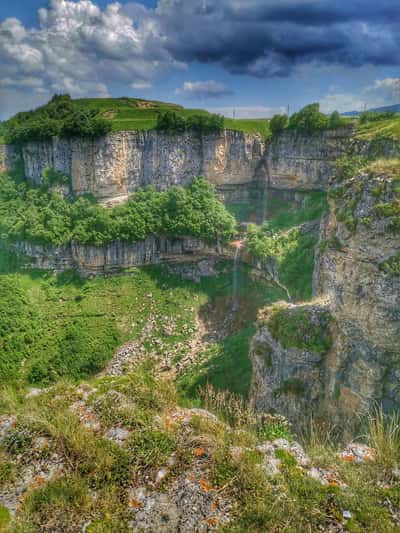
(272, 38)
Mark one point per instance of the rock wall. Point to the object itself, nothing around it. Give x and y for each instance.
(359, 238)
(118, 255)
(8, 157)
(298, 161)
(357, 278)
(287, 380)
(119, 163)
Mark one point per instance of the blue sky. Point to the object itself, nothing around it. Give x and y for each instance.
(254, 56)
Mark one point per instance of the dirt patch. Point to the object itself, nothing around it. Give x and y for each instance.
(109, 114)
(145, 105)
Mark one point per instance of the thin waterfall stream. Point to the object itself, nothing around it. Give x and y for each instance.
(235, 279)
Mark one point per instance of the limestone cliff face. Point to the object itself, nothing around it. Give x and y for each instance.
(357, 276)
(119, 163)
(8, 157)
(118, 255)
(301, 162)
(361, 237)
(297, 161)
(288, 379)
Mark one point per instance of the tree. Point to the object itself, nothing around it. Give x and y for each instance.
(278, 123)
(336, 120)
(309, 119)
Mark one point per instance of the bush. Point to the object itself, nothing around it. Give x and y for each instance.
(59, 117)
(309, 119)
(172, 123)
(278, 123)
(336, 120)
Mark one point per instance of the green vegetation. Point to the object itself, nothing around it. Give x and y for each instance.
(336, 120)
(278, 123)
(41, 216)
(379, 178)
(61, 117)
(91, 117)
(62, 326)
(374, 116)
(301, 327)
(309, 119)
(94, 487)
(292, 250)
(225, 364)
(379, 129)
(171, 122)
(392, 265)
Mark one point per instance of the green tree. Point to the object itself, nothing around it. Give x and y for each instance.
(278, 123)
(309, 119)
(336, 120)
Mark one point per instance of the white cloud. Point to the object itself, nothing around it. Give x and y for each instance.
(79, 47)
(204, 89)
(141, 84)
(380, 93)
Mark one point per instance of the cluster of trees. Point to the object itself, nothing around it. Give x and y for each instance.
(372, 116)
(171, 122)
(40, 216)
(61, 117)
(308, 120)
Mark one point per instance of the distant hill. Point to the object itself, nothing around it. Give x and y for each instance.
(394, 107)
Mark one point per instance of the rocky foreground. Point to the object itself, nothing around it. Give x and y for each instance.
(119, 454)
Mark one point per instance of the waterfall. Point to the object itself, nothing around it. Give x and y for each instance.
(235, 279)
(264, 204)
(265, 195)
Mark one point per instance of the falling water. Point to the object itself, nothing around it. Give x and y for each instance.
(264, 204)
(265, 196)
(235, 280)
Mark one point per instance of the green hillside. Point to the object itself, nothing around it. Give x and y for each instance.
(135, 114)
(95, 116)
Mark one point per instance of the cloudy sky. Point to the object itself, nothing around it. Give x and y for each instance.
(252, 56)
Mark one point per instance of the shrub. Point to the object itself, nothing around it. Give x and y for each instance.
(278, 123)
(171, 123)
(336, 120)
(309, 119)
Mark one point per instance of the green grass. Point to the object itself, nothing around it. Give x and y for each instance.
(225, 364)
(301, 328)
(65, 327)
(380, 129)
(125, 114)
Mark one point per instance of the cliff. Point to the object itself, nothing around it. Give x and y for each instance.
(300, 161)
(89, 259)
(357, 278)
(121, 162)
(8, 157)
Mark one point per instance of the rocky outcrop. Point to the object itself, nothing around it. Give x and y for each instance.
(119, 163)
(298, 161)
(89, 259)
(357, 274)
(301, 162)
(288, 354)
(8, 157)
(358, 238)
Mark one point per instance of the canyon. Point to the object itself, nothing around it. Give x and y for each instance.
(362, 300)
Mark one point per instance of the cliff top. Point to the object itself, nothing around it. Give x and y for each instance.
(126, 114)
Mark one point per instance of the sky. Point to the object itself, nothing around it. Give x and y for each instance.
(250, 58)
